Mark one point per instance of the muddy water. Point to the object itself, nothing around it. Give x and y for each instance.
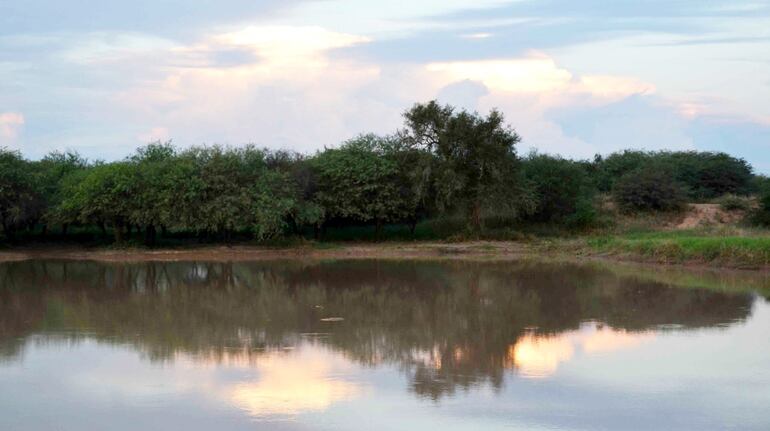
(378, 345)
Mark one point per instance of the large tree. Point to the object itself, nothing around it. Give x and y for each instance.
(473, 165)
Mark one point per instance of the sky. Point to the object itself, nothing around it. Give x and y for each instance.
(573, 77)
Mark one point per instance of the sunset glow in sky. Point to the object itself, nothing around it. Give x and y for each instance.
(573, 77)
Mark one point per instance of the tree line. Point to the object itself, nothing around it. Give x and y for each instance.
(443, 163)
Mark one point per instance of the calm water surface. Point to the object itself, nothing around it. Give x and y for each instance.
(353, 345)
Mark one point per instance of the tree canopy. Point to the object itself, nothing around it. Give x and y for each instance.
(444, 164)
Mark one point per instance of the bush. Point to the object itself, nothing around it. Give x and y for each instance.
(614, 166)
(648, 188)
(705, 175)
(708, 175)
(564, 192)
(762, 214)
(734, 203)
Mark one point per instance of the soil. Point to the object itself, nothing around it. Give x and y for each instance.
(709, 215)
(476, 249)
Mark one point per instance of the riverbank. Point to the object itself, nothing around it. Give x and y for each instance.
(681, 248)
(310, 250)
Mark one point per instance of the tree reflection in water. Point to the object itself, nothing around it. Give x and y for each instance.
(448, 325)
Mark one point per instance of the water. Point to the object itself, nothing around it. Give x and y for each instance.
(353, 345)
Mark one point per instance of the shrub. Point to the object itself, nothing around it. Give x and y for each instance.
(706, 175)
(648, 188)
(762, 214)
(734, 203)
(564, 192)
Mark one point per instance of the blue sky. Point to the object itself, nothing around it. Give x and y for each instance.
(573, 77)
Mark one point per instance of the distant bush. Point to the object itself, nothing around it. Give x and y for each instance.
(564, 192)
(614, 166)
(734, 203)
(648, 189)
(704, 175)
(708, 175)
(762, 214)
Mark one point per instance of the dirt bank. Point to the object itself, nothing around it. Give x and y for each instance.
(476, 249)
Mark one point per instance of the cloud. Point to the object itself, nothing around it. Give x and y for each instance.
(10, 123)
(306, 74)
(540, 356)
(291, 384)
(155, 134)
(463, 94)
(178, 18)
(637, 121)
(532, 74)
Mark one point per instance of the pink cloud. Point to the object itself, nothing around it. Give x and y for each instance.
(10, 123)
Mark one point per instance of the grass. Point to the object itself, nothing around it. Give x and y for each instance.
(719, 280)
(689, 246)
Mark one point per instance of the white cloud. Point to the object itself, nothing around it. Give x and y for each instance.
(291, 87)
(482, 35)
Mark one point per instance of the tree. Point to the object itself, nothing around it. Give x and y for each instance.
(19, 200)
(614, 166)
(704, 175)
(709, 175)
(563, 189)
(359, 182)
(648, 189)
(157, 188)
(52, 171)
(473, 165)
(105, 196)
(301, 181)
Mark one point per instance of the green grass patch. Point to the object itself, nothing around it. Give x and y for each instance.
(685, 246)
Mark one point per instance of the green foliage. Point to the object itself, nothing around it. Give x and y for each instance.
(704, 175)
(563, 190)
(360, 182)
(734, 203)
(687, 246)
(447, 173)
(648, 189)
(473, 167)
(762, 214)
(19, 199)
(51, 171)
(232, 189)
(616, 165)
(105, 196)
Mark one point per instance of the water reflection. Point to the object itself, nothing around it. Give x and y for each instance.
(302, 337)
(290, 384)
(540, 355)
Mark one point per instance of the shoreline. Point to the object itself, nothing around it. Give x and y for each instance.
(569, 250)
(389, 250)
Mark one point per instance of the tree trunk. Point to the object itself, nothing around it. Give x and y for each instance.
(117, 229)
(9, 232)
(163, 231)
(475, 216)
(44, 232)
(377, 230)
(103, 228)
(149, 235)
(412, 226)
(64, 228)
